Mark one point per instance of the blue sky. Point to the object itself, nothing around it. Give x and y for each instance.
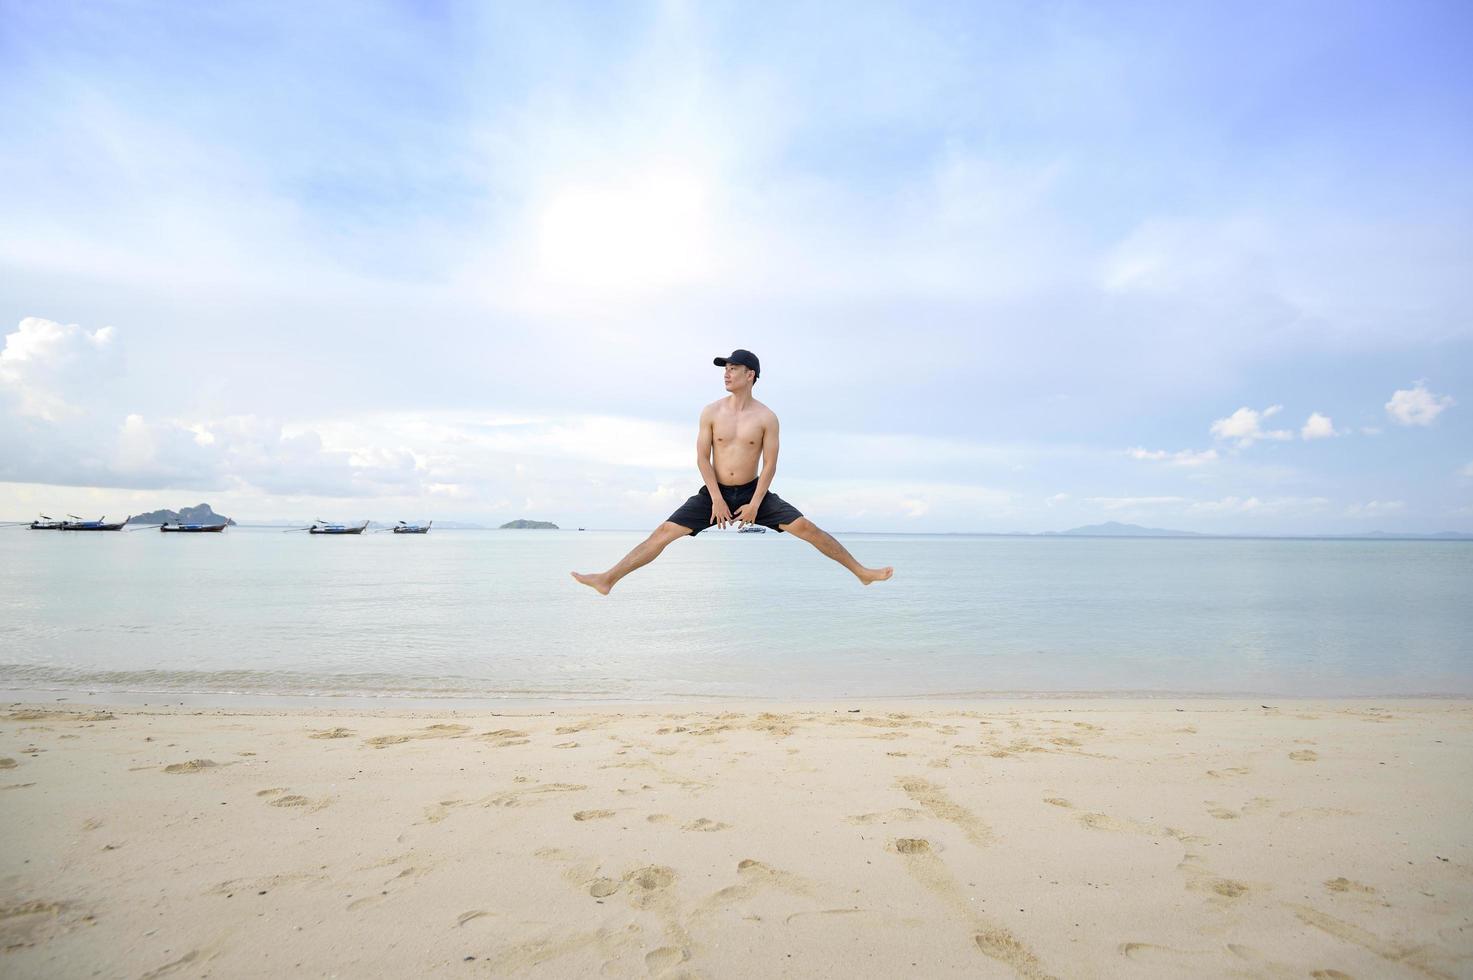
(1008, 266)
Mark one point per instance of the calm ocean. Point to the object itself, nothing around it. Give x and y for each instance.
(493, 614)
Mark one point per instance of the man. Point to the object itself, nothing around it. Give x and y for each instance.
(735, 432)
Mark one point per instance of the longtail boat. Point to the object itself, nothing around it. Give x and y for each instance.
(191, 528)
(77, 524)
(402, 528)
(47, 524)
(321, 527)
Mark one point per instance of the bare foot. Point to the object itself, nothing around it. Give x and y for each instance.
(601, 583)
(876, 574)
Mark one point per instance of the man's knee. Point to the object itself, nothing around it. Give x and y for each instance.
(801, 528)
(669, 531)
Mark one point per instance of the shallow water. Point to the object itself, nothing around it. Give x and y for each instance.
(494, 614)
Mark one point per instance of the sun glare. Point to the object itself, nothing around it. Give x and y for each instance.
(640, 234)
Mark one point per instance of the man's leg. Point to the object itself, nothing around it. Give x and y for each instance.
(824, 541)
(645, 552)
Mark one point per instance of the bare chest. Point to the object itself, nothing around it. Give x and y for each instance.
(732, 431)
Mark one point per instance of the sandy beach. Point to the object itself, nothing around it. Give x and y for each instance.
(1078, 838)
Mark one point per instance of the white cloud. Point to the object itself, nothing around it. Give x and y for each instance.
(1466, 472)
(1246, 426)
(1133, 503)
(1173, 255)
(1375, 508)
(1060, 498)
(1257, 505)
(1417, 405)
(826, 502)
(49, 367)
(1317, 426)
(1185, 457)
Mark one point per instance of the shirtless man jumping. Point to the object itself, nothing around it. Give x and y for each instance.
(735, 432)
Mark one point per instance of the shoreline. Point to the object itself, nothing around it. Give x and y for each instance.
(247, 702)
(1068, 837)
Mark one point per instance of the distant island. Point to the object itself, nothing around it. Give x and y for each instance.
(200, 514)
(1114, 529)
(522, 524)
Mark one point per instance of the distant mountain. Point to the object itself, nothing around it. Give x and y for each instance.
(524, 525)
(200, 514)
(1114, 529)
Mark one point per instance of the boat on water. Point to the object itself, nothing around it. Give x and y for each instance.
(321, 527)
(77, 524)
(178, 528)
(402, 528)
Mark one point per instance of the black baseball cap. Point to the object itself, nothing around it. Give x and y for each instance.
(743, 357)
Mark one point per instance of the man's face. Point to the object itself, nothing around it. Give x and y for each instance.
(735, 376)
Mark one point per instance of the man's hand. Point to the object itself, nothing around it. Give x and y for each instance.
(747, 513)
(720, 513)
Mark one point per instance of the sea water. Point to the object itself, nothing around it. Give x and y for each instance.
(493, 614)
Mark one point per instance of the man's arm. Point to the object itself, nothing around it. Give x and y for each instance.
(705, 441)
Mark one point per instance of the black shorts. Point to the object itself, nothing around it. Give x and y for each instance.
(695, 513)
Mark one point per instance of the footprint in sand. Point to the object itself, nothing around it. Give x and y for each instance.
(903, 813)
(1227, 773)
(429, 731)
(658, 818)
(992, 939)
(7, 763)
(935, 801)
(504, 737)
(708, 826)
(290, 799)
(1425, 958)
(603, 887)
(527, 797)
(666, 958)
(332, 733)
(193, 765)
(1304, 755)
(651, 878)
(473, 914)
(583, 815)
(32, 923)
(1155, 952)
(1346, 885)
(753, 877)
(1119, 825)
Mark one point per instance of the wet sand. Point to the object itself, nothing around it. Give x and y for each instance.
(1087, 837)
